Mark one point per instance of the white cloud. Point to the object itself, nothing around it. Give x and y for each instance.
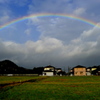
(30, 51)
(50, 50)
(79, 11)
(90, 35)
(28, 31)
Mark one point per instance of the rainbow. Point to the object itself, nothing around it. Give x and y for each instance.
(49, 15)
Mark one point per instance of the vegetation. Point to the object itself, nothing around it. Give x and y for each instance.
(9, 67)
(53, 88)
(6, 79)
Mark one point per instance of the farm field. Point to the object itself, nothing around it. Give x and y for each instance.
(6, 79)
(52, 88)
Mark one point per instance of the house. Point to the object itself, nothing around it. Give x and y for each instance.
(88, 71)
(94, 70)
(98, 69)
(79, 71)
(49, 71)
(71, 73)
(52, 71)
(58, 70)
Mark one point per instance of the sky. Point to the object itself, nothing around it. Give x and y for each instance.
(50, 40)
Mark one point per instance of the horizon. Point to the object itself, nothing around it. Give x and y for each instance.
(51, 65)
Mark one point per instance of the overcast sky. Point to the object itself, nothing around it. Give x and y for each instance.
(58, 41)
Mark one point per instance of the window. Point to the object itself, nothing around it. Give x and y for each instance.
(44, 73)
(75, 72)
(81, 72)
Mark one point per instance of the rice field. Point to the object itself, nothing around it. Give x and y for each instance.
(52, 88)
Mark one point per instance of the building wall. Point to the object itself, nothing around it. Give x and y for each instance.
(79, 71)
(52, 69)
(48, 74)
(88, 73)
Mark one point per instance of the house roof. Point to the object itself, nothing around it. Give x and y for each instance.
(94, 67)
(79, 66)
(58, 68)
(49, 66)
(88, 67)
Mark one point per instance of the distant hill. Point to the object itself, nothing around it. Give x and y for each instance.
(9, 67)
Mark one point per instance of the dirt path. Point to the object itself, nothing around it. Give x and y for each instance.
(21, 82)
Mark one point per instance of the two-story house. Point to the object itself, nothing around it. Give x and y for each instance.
(78, 71)
(49, 71)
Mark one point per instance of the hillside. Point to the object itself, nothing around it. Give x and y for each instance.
(9, 67)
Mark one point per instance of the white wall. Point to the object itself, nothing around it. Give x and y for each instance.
(48, 74)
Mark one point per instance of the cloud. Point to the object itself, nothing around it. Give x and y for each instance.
(64, 29)
(78, 7)
(28, 31)
(79, 11)
(88, 43)
(89, 35)
(81, 50)
(50, 7)
(31, 51)
(43, 40)
(4, 14)
(61, 28)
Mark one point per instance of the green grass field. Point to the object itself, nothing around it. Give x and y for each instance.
(52, 88)
(6, 79)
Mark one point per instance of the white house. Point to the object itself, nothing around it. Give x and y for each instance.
(52, 71)
(49, 71)
(88, 71)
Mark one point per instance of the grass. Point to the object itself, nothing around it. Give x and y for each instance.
(10, 79)
(55, 88)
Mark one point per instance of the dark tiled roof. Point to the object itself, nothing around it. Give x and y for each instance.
(58, 68)
(79, 66)
(49, 66)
